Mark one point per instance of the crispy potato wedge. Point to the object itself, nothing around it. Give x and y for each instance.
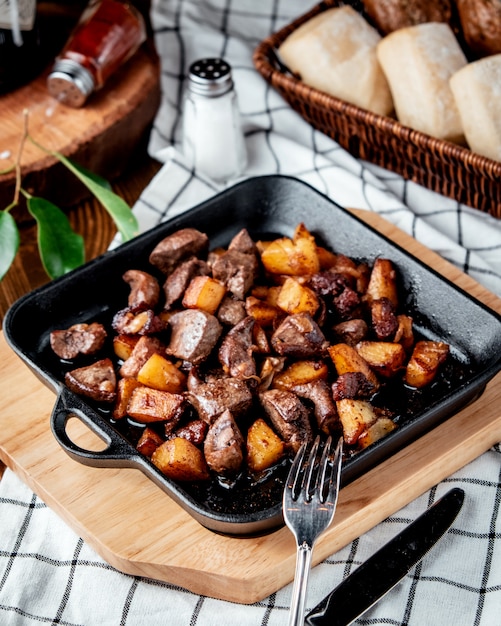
(149, 442)
(265, 314)
(125, 387)
(405, 332)
(181, 460)
(347, 359)
(160, 373)
(264, 446)
(123, 345)
(326, 258)
(293, 257)
(204, 292)
(300, 373)
(297, 298)
(385, 357)
(378, 430)
(148, 405)
(425, 360)
(356, 417)
(383, 282)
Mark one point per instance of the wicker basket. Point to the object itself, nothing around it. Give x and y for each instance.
(442, 166)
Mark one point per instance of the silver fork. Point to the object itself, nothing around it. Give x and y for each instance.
(309, 503)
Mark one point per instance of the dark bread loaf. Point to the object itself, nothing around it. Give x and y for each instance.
(481, 25)
(390, 15)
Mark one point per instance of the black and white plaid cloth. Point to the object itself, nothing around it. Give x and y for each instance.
(48, 575)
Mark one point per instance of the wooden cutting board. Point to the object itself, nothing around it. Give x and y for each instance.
(139, 530)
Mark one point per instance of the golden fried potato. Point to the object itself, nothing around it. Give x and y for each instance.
(297, 298)
(347, 359)
(385, 357)
(181, 460)
(204, 292)
(123, 345)
(264, 447)
(383, 282)
(300, 373)
(125, 387)
(265, 314)
(425, 360)
(148, 405)
(149, 442)
(293, 257)
(356, 417)
(160, 373)
(405, 332)
(378, 430)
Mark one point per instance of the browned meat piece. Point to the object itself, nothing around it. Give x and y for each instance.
(194, 335)
(329, 283)
(235, 353)
(195, 431)
(299, 336)
(178, 247)
(319, 393)
(97, 381)
(231, 311)
(351, 331)
(352, 385)
(213, 397)
(288, 415)
(384, 320)
(347, 304)
(144, 348)
(237, 271)
(78, 339)
(243, 242)
(145, 289)
(130, 322)
(178, 281)
(224, 445)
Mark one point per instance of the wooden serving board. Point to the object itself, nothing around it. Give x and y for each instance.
(139, 530)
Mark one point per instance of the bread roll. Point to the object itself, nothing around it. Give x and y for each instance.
(418, 62)
(481, 25)
(336, 52)
(477, 91)
(390, 15)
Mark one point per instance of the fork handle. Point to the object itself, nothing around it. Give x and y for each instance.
(303, 566)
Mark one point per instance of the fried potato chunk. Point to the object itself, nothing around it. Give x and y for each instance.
(160, 373)
(300, 373)
(151, 405)
(347, 359)
(180, 460)
(356, 417)
(297, 298)
(148, 442)
(264, 446)
(204, 292)
(293, 257)
(385, 357)
(383, 282)
(425, 360)
(378, 430)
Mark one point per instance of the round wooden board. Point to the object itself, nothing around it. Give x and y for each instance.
(101, 136)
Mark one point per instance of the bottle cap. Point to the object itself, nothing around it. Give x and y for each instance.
(70, 83)
(210, 77)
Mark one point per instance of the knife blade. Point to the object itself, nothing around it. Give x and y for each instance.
(383, 570)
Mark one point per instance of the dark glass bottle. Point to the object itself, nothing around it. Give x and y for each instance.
(19, 43)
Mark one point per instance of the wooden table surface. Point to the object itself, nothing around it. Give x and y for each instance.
(88, 218)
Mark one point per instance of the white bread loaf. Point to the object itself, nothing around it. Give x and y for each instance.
(477, 91)
(418, 62)
(335, 52)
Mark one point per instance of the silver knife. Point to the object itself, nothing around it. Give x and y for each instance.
(382, 571)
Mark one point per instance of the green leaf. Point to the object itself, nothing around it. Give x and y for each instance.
(60, 248)
(115, 205)
(9, 241)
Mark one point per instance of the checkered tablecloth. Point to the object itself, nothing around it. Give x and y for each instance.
(48, 575)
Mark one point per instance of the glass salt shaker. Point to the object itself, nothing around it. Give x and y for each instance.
(213, 141)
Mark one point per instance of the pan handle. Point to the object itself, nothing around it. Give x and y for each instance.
(118, 452)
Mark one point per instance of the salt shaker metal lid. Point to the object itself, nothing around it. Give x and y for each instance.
(210, 77)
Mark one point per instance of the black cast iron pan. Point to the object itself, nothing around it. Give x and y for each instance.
(266, 206)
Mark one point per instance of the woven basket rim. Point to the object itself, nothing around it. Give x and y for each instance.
(264, 60)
